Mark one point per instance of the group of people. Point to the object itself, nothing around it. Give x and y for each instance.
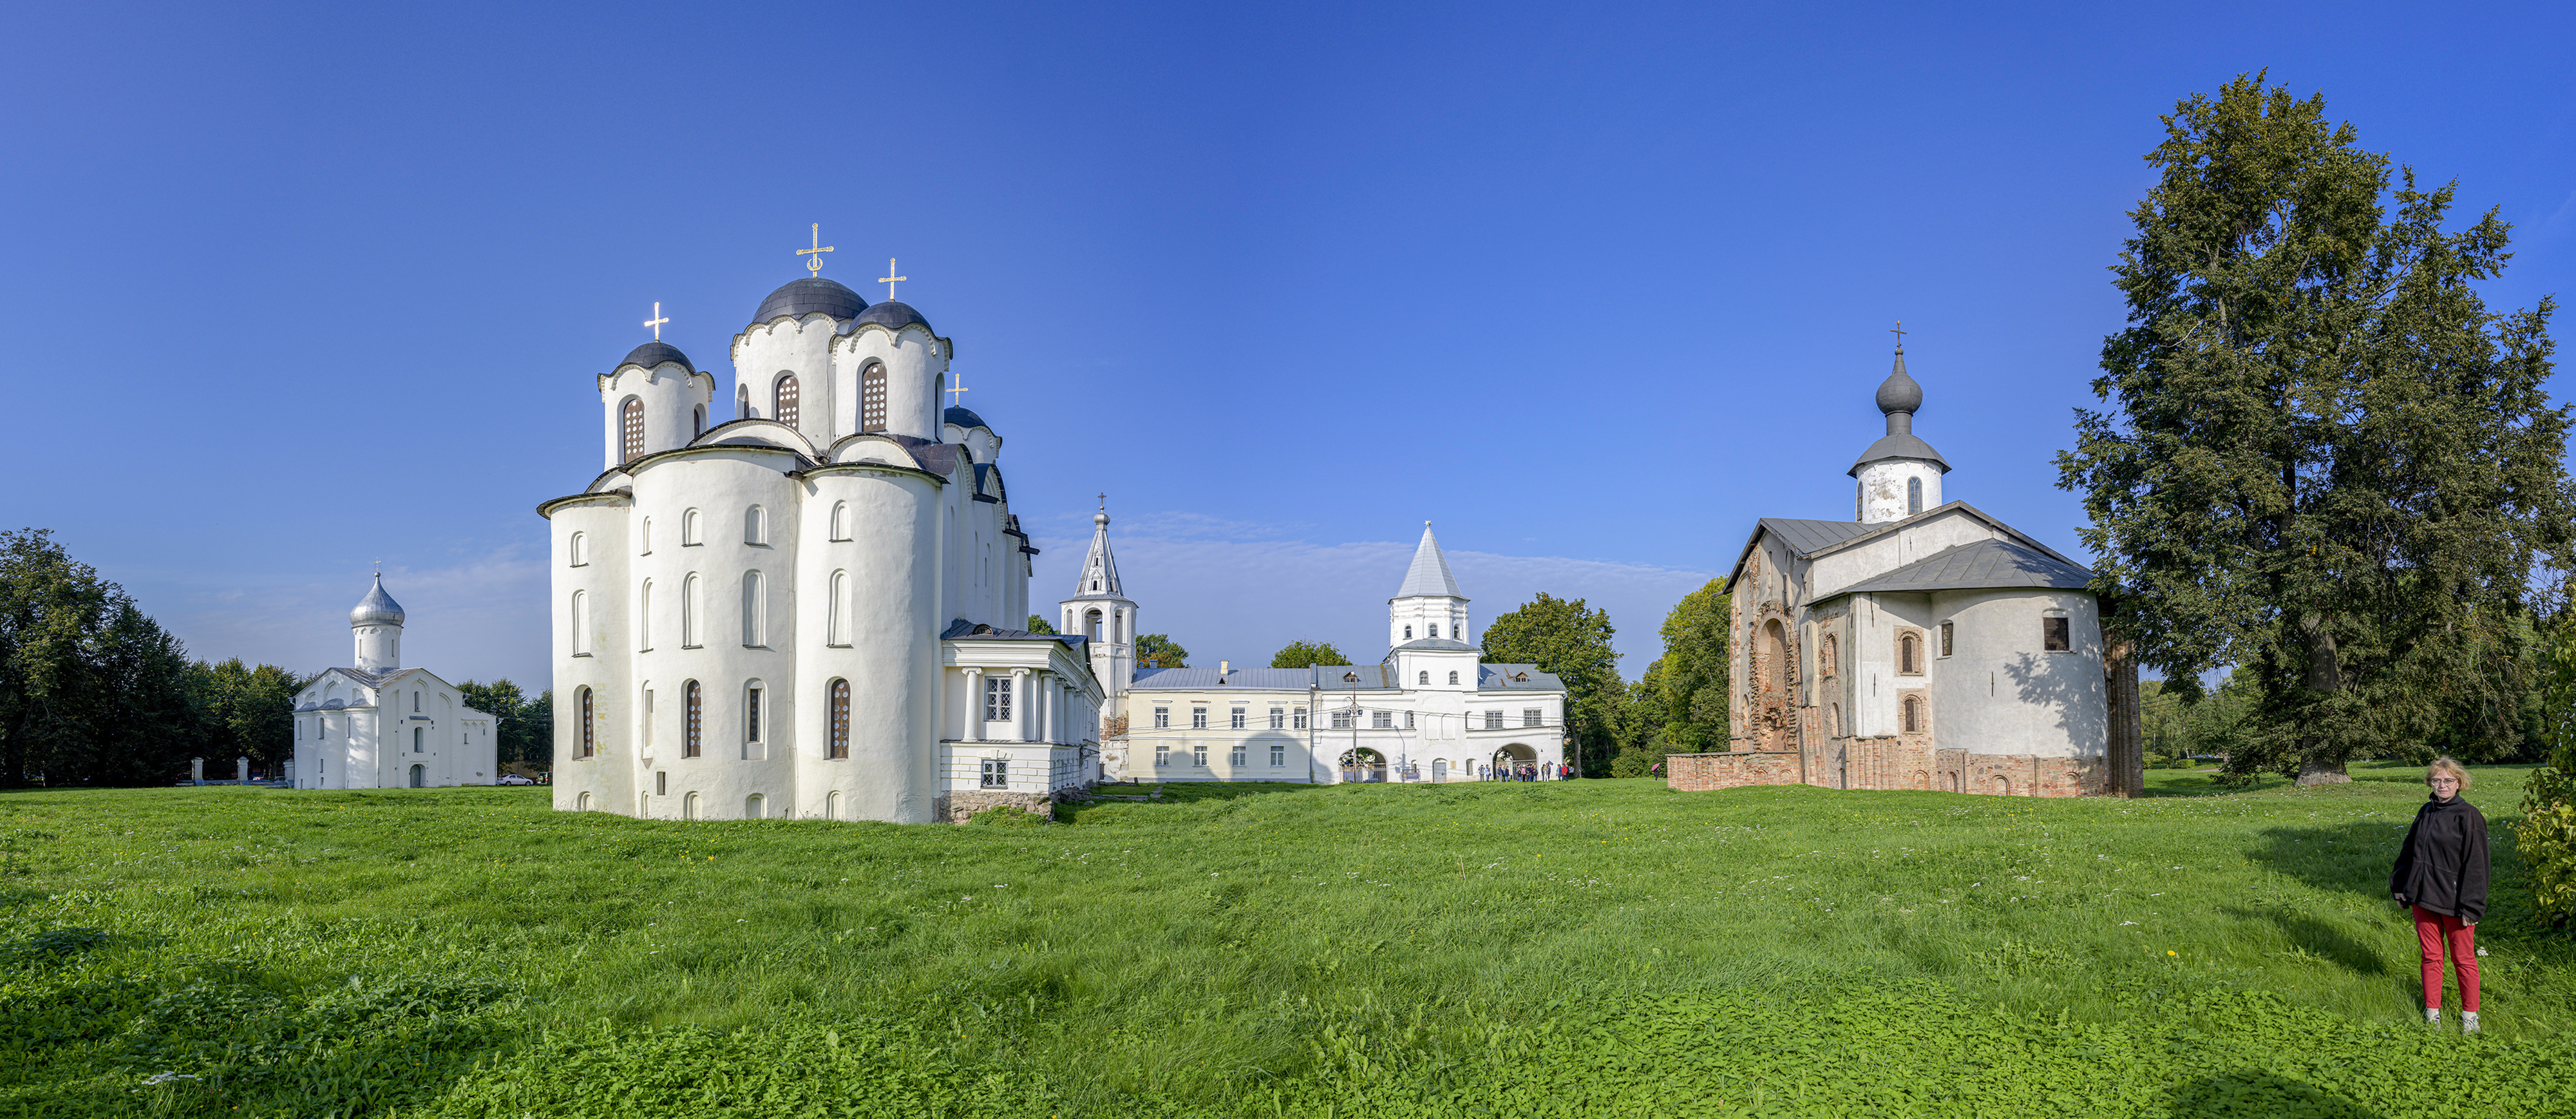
(1530, 771)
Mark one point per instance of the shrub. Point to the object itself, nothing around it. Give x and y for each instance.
(2546, 833)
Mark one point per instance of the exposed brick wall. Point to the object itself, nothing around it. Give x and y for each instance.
(1894, 763)
(1701, 772)
(957, 808)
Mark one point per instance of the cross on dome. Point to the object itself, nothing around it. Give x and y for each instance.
(814, 263)
(889, 279)
(958, 383)
(657, 320)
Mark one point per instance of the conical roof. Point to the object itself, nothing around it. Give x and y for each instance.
(1429, 576)
(378, 608)
(1099, 568)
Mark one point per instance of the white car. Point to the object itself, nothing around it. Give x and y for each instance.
(515, 779)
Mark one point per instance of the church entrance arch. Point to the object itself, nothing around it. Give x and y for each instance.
(1507, 762)
(1360, 763)
(419, 776)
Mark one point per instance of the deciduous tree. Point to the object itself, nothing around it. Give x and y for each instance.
(1306, 654)
(1564, 638)
(1155, 650)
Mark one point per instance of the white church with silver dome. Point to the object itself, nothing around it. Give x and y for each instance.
(379, 725)
(803, 598)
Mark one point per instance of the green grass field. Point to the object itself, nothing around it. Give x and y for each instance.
(1602, 948)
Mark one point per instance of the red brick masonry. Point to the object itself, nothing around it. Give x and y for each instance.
(1880, 764)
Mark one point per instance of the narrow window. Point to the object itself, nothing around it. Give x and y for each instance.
(1408, 633)
(580, 632)
(1833, 720)
(1091, 624)
(751, 713)
(1408, 720)
(834, 633)
(997, 699)
(644, 538)
(632, 425)
(689, 611)
(1434, 630)
(1913, 714)
(840, 719)
(689, 529)
(698, 417)
(415, 703)
(1531, 715)
(755, 612)
(1236, 720)
(644, 617)
(1827, 655)
(661, 782)
(1198, 718)
(755, 526)
(1162, 718)
(997, 773)
(1299, 722)
(742, 402)
(648, 717)
(1422, 679)
(783, 400)
(579, 551)
(1453, 679)
(419, 741)
(1908, 654)
(1278, 718)
(1945, 639)
(840, 520)
(588, 738)
(2053, 635)
(1913, 496)
(692, 720)
(872, 397)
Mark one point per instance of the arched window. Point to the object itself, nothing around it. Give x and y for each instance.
(840, 719)
(1833, 720)
(689, 611)
(832, 805)
(688, 806)
(1425, 680)
(2003, 785)
(833, 631)
(1828, 655)
(751, 713)
(419, 740)
(689, 529)
(692, 720)
(631, 425)
(752, 806)
(755, 612)
(589, 727)
(1913, 715)
(1408, 633)
(1453, 679)
(580, 631)
(699, 415)
(783, 399)
(644, 617)
(1913, 496)
(742, 402)
(644, 538)
(1091, 625)
(1909, 654)
(755, 525)
(840, 520)
(872, 397)
(578, 551)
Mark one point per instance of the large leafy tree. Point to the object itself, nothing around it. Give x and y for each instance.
(1561, 636)
(527, 731)
(1695, 666)
(1157, 650)
(250, 710)
(1306, 654)
(1039, 624)
(92, 691)
(2324, 459)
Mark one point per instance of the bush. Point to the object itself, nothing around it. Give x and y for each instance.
(2546, 833)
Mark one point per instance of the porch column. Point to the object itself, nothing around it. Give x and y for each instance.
(1023, 691)
(975, 704)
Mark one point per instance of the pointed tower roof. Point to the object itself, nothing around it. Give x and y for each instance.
(1429, 576)
(1100, 568)
(377, 608)
(1899, 397)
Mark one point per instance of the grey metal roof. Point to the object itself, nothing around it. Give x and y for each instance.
(1985, 563)
(1371, 677)
(1429, 576)
(1807, 537)
(1899, 393)
(1516, 677)
(1434, 645)
(1900, 445)
(1205, 679)
(982, 631)
(809, 295)
(655, 353)
(892, 315)
(377, 607)
(962, 418)
(1099, 577)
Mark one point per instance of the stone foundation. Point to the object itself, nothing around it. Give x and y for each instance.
(1901, 762)
(1693, 773)
(957, 808)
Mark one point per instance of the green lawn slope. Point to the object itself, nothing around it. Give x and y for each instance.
(1600, 948)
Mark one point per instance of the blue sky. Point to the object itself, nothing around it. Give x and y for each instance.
(1590, 286)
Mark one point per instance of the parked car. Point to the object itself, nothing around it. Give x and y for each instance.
(516, 779)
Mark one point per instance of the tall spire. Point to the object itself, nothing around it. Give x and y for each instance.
(1100, 568)
(1429, 576)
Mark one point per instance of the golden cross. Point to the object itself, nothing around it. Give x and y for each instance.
(889, 279)
(815, 265)
(656, 321)
(957, 379)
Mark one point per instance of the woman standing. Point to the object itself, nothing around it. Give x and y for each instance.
(2442, 873)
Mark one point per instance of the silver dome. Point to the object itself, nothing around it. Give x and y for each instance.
(378, 608)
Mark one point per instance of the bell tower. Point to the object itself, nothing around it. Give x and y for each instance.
(1101, 612)
(1900, 475)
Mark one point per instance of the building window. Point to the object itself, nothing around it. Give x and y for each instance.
(1278, 753)
(699, 419)
(755, 526)
(1278, 718)
(692, 720)
(1453, 679)
(1300, 720)
(1235, 719)
(1913, 496)
(1909, 655)
(872, 396)
(1945, 639)
(644, 538)
(1408, 633)
(1912, 717)
(2053, 635)
(580, 631)
(644, 617)
(419, 741)
(783, 397)
(1342, 719)
(661, 782)
(689, 611)
(1198, 718)
(1828, 655)
(1408, 720)
(1162, 754)
(631, 428)
(1833, 720)
(1530, 715)
(1494, 719)
(1235, 757)
(589, 739)
(1198, 754)
(751, 713)
(836, 606)
(579, 552)
(689, 529)
(840, 719)
(1422, 679)
(755, 612)
(997, 699)
(1381, 720)
(1433, 630)
(997, 773)
(1162, 718)
(840, 520)
(742, 402)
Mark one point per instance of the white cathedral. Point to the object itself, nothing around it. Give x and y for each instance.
(810, 607)
(378, 725)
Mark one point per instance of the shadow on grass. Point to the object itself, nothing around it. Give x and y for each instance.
(2260, 1094)
(2316, 938)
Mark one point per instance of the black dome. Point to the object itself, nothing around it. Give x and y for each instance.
(963, 418)
(651, 354)
(804, 297)
(894, 316)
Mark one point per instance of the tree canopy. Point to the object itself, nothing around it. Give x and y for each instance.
(92, 691)
(526, 734)
(1695, 671)
(1565, 638)
(2323, 459)
(1040, 625)
(1156, 650)
(1307, 654)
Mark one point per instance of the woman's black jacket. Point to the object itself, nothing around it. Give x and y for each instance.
(2443, 866)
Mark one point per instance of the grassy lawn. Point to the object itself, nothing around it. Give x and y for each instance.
(1601, 948)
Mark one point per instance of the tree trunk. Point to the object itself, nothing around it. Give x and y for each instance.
(2320, 764)
(2126, 758)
